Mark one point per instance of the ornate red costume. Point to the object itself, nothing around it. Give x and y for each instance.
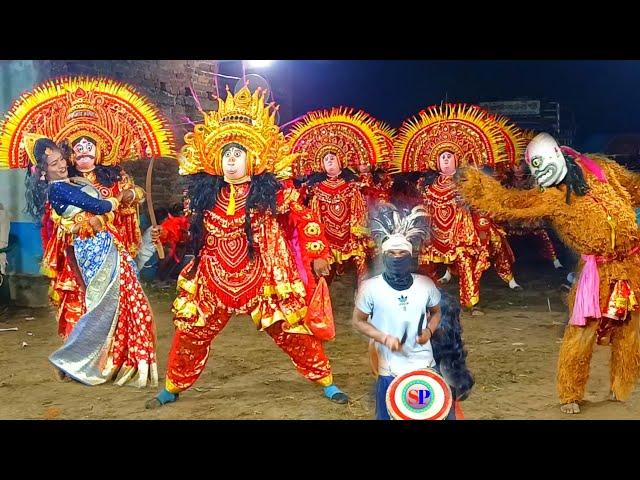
(252, 260)
(454, 240)
(333, 144)
(441, 139)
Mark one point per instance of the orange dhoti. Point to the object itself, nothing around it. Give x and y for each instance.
(455, 240)
(468, 268)
(191, 346)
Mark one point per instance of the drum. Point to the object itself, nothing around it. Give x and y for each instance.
(419, 395)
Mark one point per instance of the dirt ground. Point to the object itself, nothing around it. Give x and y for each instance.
(512, 353)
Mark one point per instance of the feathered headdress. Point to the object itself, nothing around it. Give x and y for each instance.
(354, 136)
(397, 229)
(123, 122)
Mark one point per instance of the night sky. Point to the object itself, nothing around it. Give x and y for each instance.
(604, 96)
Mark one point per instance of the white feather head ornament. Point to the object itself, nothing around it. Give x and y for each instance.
(396, 229)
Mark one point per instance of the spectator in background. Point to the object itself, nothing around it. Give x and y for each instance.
(174, 235)
(147, 259)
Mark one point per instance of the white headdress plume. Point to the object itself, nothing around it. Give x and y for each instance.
(397, 229)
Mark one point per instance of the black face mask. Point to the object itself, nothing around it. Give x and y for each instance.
(398, 271)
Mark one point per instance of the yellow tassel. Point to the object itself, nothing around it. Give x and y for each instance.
(231, 208)
(613, 224)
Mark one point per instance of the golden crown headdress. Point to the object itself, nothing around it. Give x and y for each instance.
(243, 118)
(124, 123)
(465, 130)
(355, 137)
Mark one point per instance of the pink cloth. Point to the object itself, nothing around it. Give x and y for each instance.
(587, 302)
(586, 162)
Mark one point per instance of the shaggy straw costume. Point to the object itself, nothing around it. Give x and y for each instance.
(600, 222)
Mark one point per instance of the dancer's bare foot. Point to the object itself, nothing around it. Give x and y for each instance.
(570, 408)
(612, 397)
(476, 312)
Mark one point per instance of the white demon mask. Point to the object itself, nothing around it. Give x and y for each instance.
(546, 162)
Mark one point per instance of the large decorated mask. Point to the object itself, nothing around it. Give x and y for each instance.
(85, 153)
(449, 135)
(105, 121)
(331, 164)
(545, 160)
(447, 163)
(332, 140)
(234, 163)
(243, 119)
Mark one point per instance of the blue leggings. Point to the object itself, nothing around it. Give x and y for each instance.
(381, 400)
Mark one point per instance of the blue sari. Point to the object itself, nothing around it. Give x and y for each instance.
(94, 353)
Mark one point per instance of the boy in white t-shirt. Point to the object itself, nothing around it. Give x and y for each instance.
(404, 313)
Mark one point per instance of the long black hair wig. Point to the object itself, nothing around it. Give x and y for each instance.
(36, 183)
(574, 180)
(448, 348)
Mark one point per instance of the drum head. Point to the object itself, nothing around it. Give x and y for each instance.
(419, 395)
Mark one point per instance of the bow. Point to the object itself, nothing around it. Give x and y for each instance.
(152, 213)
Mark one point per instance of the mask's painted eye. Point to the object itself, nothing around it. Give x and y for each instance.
(536, 162)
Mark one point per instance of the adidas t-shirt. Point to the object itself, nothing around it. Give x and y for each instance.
(395, 312)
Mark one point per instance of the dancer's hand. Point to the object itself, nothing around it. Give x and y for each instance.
(424, 337)
(128, 196)
(96, 224)
(155, 234)
(321, 267)
(392, 343)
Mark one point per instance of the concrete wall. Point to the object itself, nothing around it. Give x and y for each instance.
(27, 287)
(15, 78)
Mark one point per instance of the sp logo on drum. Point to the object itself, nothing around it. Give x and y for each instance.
(417, 395)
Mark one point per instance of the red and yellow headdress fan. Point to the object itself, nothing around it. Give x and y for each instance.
(387, 135)
(124, 124)
(514, 143)
(243, 118)
(465, 130)
(354, 137)
(514, 140)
